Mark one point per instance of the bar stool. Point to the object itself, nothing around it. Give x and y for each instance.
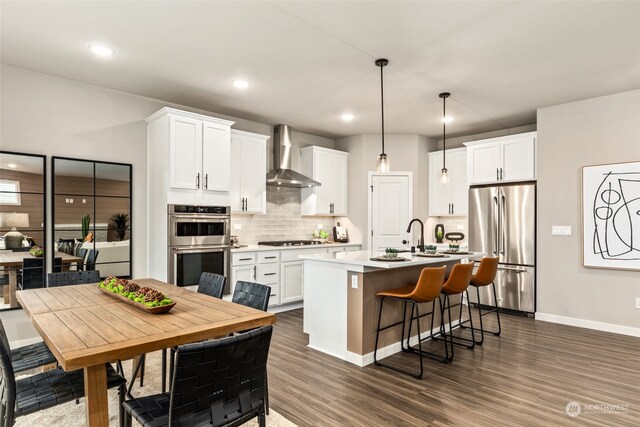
(457, 283)
(485, 276)
(426, 290)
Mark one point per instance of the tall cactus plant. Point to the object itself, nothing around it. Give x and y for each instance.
(85, 226)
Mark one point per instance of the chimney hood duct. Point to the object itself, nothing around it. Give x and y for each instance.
(282, 175)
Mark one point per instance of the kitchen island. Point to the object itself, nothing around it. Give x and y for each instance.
(340, 304)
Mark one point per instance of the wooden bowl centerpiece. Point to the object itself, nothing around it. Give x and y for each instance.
(143, 298)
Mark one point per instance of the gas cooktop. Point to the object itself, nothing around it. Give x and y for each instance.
(291, 243)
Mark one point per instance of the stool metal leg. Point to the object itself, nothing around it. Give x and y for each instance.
(495, 299)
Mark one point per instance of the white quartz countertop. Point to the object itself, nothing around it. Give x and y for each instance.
(363, 259)
(259, 248)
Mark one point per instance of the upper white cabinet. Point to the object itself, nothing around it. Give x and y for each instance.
(248, 172)
(448, 199)
(503, 159)
(189, 156)
(329, 168)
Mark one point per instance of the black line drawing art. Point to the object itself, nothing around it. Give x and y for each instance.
(615, 210)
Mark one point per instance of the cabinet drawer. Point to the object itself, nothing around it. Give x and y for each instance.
(292, 255)
(268, 257)
(268, 274)
(245, 258)
(334, 250)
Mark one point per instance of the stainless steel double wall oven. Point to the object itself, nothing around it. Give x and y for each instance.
(199, 240)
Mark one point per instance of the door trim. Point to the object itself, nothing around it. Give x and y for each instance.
(366, 241)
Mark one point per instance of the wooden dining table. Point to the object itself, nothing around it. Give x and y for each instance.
(12, 261)
(86, 328)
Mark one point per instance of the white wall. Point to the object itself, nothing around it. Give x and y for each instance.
(48, 115)
(594, 131)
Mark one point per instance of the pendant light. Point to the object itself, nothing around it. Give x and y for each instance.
(383, 161)
(444, 178)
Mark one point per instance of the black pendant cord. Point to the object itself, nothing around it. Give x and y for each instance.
(382, 63)
(444, 96)
(382, 104)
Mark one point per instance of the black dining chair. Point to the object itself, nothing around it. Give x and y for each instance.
(29, 356)
(82, 253)
(215, 383)
(32, 273)
(212, 284)
(44, 390)
(92, 257)
(66, 278)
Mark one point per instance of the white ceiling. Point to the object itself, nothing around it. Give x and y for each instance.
(310, 61)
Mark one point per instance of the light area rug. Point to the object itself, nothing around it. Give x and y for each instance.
(72, 414)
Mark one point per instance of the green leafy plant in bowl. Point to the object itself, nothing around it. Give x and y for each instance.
(36, 251)
(391, 253)
(430, 249)
(454, 247)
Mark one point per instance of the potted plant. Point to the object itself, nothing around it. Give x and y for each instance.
(120, 222)
(391, 253)
(430, 249)
(86, 220)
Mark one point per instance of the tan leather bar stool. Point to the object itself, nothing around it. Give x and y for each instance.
(457, 284)
(485, 276)
(426, 290)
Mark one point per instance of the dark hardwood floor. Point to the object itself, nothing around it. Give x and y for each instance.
(525, 377)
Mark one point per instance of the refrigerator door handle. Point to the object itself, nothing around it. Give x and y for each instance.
(496, 226)
(503, 214)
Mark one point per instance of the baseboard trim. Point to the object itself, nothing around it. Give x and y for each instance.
(285, 307)
(22, 343)
(589, 324)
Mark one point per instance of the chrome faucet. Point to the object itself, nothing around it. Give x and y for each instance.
(421, 241)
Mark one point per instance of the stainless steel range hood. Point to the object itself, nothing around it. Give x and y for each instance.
(282, 175)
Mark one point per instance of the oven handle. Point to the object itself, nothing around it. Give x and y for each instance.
(200, 218)
(199, 249)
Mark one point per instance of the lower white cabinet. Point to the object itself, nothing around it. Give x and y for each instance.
(291, 281)
(281, 270)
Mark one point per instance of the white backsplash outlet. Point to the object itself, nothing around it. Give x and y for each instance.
(281, 222)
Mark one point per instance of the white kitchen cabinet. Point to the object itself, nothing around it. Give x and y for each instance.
(450, 199)
(200, 152)
(248, 172)
(291, 281)
(503, 159)
(329, 168)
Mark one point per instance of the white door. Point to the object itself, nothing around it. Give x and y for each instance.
(235, 185)
(483, 163)
(254, 174)
(518, 159)
(339, 184)
(216, 157)
(291, 281)
(390, 209)
(459, 185)
(186, 153)
(324, 174)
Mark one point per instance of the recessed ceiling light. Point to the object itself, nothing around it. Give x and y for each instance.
(12, 165)
(447, 119)
(101, 50)
(241, 84)
(347, 117)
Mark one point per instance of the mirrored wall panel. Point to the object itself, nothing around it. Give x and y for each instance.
(92, 215)
(22, 224)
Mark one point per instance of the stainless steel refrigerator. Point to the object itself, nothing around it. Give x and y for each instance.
(502, 222)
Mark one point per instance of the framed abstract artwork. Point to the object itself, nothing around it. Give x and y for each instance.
(611, 216)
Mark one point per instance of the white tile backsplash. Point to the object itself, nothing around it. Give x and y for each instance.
(282, 220)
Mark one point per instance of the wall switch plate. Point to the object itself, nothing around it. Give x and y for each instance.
(354, 281)
(638, 303)
(237, 226)
(561, 230)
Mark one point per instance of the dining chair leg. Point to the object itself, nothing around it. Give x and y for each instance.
(495, 300)
(266, 391)
(143, 363)
(136, 369)
(121, 393)
(480, 316)
(163, 379)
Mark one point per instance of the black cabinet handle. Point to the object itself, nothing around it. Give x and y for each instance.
(270, 257)
(497, 174)
(206, 181)
(198, 180)
(269, 274)
(452, 209)
(501, 176)
(244, 259)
